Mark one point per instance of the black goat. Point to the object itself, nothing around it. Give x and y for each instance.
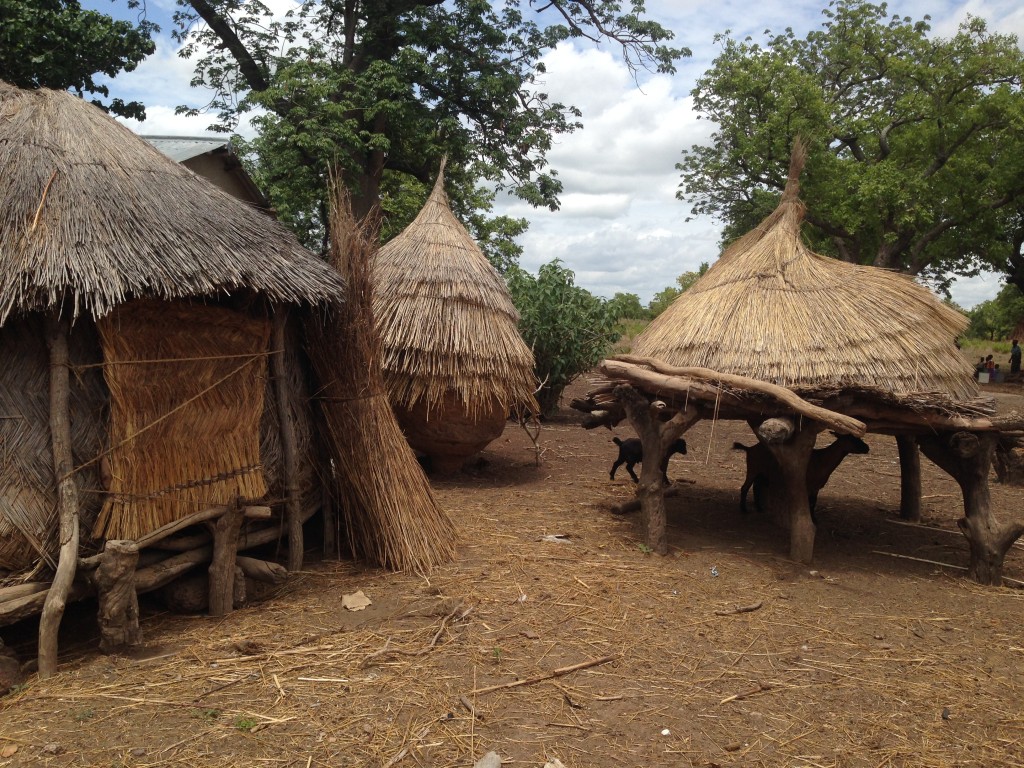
(631, 453)
(761, 466)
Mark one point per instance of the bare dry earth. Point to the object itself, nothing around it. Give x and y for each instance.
(866, 659)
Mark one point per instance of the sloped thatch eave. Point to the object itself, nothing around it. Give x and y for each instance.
(773, 310)
(92, 214)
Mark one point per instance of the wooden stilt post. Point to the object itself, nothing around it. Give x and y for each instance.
(289, 449)
(655, 437)
(118, 601)
(222, 566)
(967, 457)
(791, 447)
(910, 478)
(57, 331)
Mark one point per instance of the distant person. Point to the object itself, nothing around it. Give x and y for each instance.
(979, 367)
(990, 364)
(1015, 357)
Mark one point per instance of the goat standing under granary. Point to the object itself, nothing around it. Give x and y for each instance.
(823, 462)
(631, 453)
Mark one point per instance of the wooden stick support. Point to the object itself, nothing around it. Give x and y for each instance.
(222, 567)
(289, 442)
(655, 437)
(67, 493)
(967, 458)
(910, 478)
(118, 601)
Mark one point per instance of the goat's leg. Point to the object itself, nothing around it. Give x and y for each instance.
(743, 496)
(629, 468)
(615, 466)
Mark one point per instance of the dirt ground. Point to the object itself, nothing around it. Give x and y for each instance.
(869, 658)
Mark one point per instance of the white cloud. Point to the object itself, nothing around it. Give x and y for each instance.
(621, 227)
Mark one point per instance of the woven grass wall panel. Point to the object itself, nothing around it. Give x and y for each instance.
(187, 393)
(28, 522)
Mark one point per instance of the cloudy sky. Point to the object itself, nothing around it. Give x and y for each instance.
(620, 227)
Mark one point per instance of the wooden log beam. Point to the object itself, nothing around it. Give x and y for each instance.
(57, 330)
(289, 442)
(683, 382)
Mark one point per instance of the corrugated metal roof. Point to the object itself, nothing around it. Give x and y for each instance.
(182, 148)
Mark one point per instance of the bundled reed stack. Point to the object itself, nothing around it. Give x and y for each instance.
(391, 515)
(454, 362)
(771, 309)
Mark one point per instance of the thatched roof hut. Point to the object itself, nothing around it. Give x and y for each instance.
(91, 213)
(169, 283)
(454, 362)
(771, 309)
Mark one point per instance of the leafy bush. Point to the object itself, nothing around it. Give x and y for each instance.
(569, 329)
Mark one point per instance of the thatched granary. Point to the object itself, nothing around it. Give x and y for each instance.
(454, 362)
(163, 289)
(793, 343)
(772, 309)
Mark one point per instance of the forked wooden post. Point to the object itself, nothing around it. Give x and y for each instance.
(967, 457)
(791, 447)
(222, 566)
(289, 443)
(910, 478)
(118, 601)
(67, 494)
(655, 438)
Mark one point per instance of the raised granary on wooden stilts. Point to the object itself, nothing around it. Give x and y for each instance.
(773, 326)
(454, 362)
(135, 314)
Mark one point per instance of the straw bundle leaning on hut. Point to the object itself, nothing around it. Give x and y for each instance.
(454, 362)
(159, 291)
(391, 514)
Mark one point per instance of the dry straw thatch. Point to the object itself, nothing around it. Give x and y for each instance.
(773, 310)
(186, 397)
(447, 323)
(90, 211)
(391, 515)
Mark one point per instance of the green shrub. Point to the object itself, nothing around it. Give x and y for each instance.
(569, 329)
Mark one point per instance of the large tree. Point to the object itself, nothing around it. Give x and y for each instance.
(57, 44)
(381, 89)
(916, 156)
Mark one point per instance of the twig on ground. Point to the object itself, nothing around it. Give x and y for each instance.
(741, 609)
(552, 674)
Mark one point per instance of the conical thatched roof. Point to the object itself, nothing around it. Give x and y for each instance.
(92, 212)
(773, 310)
(445, 316)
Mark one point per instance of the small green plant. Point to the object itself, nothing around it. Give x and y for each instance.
(246, 723)
(84, 714)
(209, 715)
(644, 548)
(497, 655)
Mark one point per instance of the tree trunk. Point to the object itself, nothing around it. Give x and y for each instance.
(289, 450)
(910, 478)
(118, 602)
(67, 493)
(967, 457)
